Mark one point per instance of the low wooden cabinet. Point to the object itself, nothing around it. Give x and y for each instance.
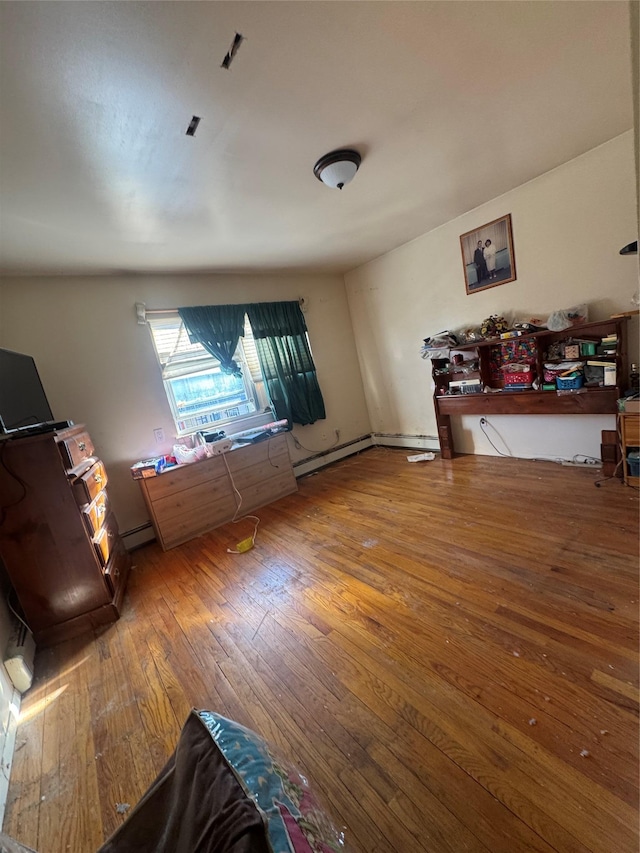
(629, 423)
(188, 500)
(59, 539)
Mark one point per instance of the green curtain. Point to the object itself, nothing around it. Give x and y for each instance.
(280, 334)
(218, 328)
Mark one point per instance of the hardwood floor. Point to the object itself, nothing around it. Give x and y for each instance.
(448, 650)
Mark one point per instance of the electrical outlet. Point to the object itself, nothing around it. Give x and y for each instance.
(158, 434)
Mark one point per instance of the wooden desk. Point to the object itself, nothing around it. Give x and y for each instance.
(629, 423)
(189, 500)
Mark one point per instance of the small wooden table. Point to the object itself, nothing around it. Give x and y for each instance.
(629, 423)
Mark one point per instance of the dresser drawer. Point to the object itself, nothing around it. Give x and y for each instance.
(117, 569)
(93, 481)
(106, 539)
(76, 448)
(95, 513)
(630, 425)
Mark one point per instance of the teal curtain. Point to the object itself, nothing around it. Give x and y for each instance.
(280, 334)
(218, 328)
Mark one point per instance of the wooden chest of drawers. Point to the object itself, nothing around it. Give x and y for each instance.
(59, 542)
(189, 500)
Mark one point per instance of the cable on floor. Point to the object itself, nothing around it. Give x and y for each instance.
(248, 543)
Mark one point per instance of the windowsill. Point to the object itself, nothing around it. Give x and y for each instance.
(234, 426)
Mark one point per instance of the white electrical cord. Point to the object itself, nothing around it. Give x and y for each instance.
(586, 460)
(17, 615)
(235, 519)
(309, 450)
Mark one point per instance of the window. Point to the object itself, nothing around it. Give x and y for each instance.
(199, 393)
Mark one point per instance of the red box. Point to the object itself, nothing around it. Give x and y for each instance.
(518, 378)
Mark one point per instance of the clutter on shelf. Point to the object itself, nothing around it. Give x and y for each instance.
(560, 320)
(493, 326)
(584, 358)
(437, 345)
(498, 326)
(531, 367)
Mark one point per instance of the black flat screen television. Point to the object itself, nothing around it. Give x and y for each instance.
(23, 403)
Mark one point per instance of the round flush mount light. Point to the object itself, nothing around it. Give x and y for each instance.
(338, 167)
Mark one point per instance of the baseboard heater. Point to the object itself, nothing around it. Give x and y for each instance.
(138, 536)
(411, 442)
(326, 457)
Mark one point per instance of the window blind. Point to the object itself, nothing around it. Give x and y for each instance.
(179, 357)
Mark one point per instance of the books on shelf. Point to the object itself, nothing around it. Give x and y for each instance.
(518, 386)
(608, 345)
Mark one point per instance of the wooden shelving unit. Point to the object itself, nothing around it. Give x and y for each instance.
(479, 363)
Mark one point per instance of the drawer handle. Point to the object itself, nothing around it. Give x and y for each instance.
(100, 510)
(97, 478)
(82, 445)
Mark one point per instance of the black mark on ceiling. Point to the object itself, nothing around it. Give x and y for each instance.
(193, 126)
(235, 46)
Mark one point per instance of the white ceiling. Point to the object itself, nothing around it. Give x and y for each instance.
(450, 104)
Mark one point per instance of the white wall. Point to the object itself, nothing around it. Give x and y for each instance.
(568, 228)
(98, 366)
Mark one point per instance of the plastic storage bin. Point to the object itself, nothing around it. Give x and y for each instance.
(569, 383)
(519, 378)
(633, 463)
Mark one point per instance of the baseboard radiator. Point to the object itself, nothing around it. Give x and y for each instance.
(326, 457)
(411, 442)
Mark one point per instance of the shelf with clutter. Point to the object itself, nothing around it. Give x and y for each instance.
(527, 368)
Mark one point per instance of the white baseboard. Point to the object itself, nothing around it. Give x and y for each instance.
(7, 750)
(411, 442)
(322, 459)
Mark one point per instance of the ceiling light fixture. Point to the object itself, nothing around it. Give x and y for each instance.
(338, 167)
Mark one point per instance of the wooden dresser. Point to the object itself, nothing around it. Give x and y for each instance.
(59, 539)
(189, 500)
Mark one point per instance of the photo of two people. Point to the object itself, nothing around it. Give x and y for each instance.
(487, 255)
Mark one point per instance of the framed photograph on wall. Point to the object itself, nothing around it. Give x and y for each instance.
(487, 255)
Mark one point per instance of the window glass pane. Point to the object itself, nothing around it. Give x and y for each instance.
(192, 394)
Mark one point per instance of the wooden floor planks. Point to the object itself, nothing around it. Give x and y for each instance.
(448, 651)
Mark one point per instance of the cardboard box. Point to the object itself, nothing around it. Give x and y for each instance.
(631, 405)
(148, 468)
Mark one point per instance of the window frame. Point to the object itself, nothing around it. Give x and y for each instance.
(174, 367)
